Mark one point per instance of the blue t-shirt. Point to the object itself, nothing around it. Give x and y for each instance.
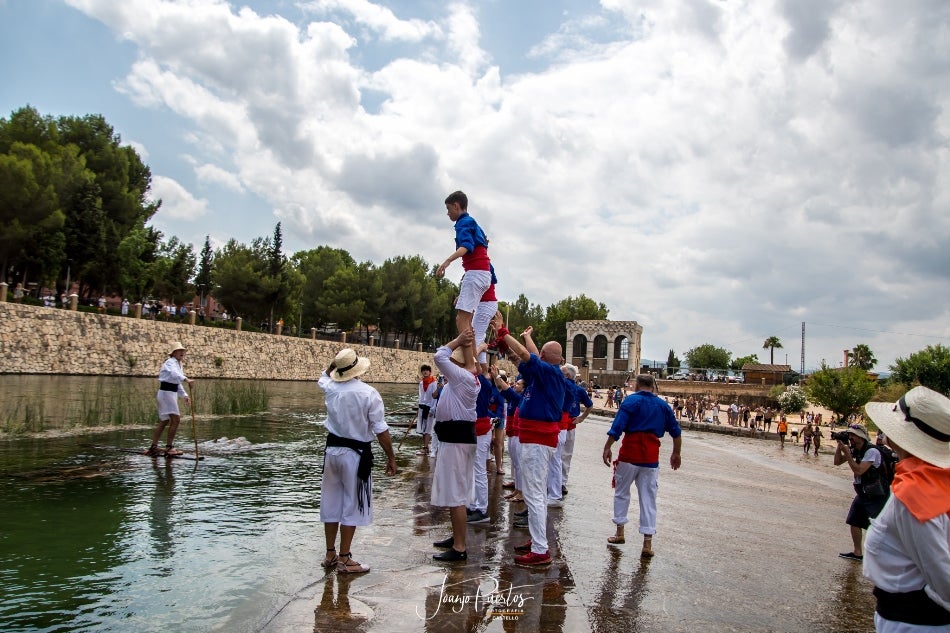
(468, 233)
(485, 395)
(644, 412)
(544, 390)
(579, 397)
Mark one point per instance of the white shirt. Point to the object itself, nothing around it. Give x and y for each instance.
(902, 554)
(457, 401)
(354, 409)
(172, 372)
(427, 396)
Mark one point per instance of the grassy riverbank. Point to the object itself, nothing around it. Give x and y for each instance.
(127, 406)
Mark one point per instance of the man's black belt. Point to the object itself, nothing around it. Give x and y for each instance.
(912, 607)
(456, 431)
(167, 386)
(363, 471)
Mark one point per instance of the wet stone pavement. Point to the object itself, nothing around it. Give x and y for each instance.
(748, 537)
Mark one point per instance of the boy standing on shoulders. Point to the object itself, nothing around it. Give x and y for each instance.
(471, 246)
(355, 415)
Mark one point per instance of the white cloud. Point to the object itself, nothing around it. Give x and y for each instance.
(177, 202)
(379, 19)
(720, 171)
(216, 175)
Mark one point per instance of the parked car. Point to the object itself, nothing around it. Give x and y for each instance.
(680, 375)
(735, 379)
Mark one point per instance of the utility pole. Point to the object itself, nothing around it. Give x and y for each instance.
(803, 348)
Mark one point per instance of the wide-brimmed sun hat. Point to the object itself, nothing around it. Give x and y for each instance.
(919, 423)
(859, 430)
(347, 365)
(175, 347)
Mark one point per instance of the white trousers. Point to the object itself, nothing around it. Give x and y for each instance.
(567, 453)
(647, 481)
(479, 496)
(514, 455)
(483, 314)
(338, 500)
(554, 468)
(535, 461)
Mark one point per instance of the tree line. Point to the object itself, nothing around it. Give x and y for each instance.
(74, 209)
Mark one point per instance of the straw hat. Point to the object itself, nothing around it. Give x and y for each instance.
(175, 347)
(919, 423)
(347, 365)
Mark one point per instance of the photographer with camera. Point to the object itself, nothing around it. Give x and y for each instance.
(864, 459)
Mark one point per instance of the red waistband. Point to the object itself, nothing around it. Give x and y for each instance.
(538, 432)
(482, 426)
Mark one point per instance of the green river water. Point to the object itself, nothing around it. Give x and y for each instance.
(98, 540)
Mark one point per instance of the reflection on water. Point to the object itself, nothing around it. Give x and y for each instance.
(96, 540)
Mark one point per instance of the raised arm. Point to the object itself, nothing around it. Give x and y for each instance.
(506, 342)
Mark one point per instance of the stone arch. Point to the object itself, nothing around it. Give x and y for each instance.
(606, 350)
(579, 353)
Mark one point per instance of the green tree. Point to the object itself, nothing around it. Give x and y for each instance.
(30, 217)
(929, 367)
(521, 314)
(557, 316)
(862, 356)
(172, 271)
(409, 292)
(316, 266)
(113, 202)
(672, 362)
(136, 255)
(771, 343)
(738, 363)
(842, 391)
(242, 283)
(205, 274)
(708, 356)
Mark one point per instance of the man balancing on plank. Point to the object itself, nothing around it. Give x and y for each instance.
(170, 380)
(355, 415)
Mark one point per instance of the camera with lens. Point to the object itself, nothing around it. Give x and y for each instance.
(841, 436)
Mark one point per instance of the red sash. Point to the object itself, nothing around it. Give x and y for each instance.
(511, 424)
(477, 259)
(639, 448)
(538, 432)
(482, 426)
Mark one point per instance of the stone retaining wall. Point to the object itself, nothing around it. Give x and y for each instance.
(39, 340)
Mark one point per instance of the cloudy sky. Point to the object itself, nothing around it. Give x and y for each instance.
(718, 170)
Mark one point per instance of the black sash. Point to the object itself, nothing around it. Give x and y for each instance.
(912, 607)
(167, 386)
(456, 432)
(363, 471)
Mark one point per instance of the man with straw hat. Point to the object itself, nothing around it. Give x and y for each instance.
(171, 379)
(871, 490)
(908, 545)
(355, 415)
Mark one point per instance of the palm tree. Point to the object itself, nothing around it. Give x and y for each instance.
(862, 356)
(770, 344)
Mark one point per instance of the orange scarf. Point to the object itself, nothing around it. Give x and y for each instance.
(428, 380)
(922, 487)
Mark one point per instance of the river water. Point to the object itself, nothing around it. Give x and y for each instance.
(93, 539)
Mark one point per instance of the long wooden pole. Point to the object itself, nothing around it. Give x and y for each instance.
(194, 424)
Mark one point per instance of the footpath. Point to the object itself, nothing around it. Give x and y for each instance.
(748, 537)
